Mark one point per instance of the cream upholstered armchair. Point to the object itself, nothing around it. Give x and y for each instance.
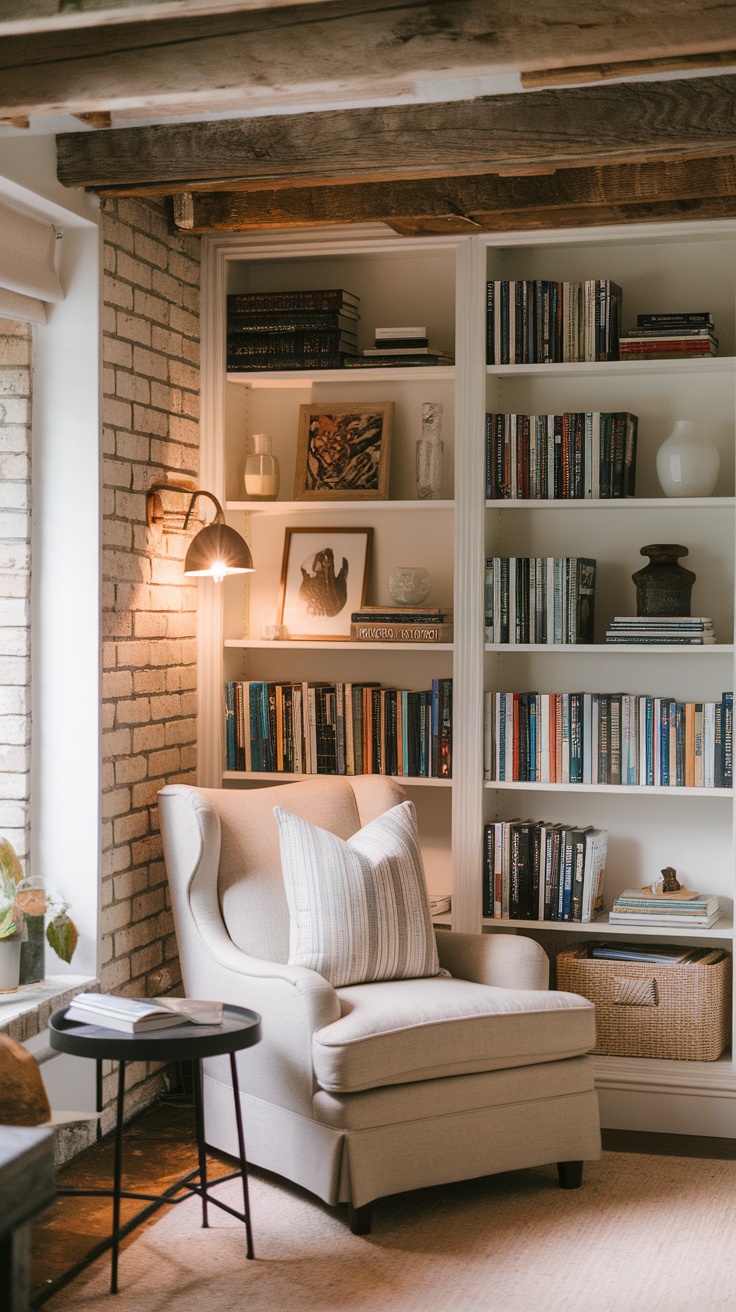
(364, 1091)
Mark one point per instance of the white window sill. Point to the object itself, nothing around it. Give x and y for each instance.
(25, 1012)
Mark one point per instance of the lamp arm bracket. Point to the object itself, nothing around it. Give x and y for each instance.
(156, 514)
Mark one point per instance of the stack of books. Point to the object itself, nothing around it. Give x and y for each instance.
(137, 1015)
(670, 337)
(291, 330)
(546, 599)
(339, 728)
(400, 346)
(534, 870)
(402, 624)
(572, 455)
(662, 630)
(538, 322)
(126, 1015)
(608, 738)
(685, 909)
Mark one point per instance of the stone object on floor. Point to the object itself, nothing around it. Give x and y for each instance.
(23, 1098)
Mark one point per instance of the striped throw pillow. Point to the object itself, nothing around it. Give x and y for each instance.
(359, 909)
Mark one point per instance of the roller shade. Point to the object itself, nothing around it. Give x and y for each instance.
(28, 278)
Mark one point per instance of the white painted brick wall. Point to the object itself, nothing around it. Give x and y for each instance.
(15, 583)
(150, 429)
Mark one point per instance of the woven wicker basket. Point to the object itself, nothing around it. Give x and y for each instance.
(643, 1009)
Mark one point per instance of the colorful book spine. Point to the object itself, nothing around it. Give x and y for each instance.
(339, 728)
(620, 739)
(539, 599)
(535, 870)
(540, 322)
(575, 455)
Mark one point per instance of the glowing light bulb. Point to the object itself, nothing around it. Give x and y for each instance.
(218, 571)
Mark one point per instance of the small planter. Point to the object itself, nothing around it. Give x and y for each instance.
(9, 964)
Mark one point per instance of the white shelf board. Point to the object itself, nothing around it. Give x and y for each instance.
(723, 928)
(629, 649)
(705, 365)
(616, 789)
(612, 503)
(339, 645)
(296, 378)
(359, 507)
(284, 777)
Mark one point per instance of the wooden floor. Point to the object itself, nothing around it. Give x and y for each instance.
(159, 1148)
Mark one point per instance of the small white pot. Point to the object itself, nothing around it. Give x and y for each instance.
(687, 462)
(9, 964)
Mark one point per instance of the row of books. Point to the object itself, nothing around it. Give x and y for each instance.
(662, 630)
(545, 599)
(291, 330)
(608, 738)
(536, 870)
(571, 455)
(670, 337)
(533, 321)
(685, 909)
(339, 728)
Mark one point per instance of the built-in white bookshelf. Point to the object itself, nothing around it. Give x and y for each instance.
(442, 282)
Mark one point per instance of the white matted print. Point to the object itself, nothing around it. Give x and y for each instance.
(323, 581)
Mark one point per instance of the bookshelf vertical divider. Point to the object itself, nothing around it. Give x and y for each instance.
(656, 264)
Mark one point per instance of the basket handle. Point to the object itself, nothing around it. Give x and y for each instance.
(635, 992)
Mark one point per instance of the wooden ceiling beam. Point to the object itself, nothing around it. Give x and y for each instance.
(582, 127)
(324, 52)
(57, 16)
(573, 216)
(632, 68)
(467, 202)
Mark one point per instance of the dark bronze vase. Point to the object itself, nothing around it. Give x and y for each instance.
(32, 951)
(663, 587)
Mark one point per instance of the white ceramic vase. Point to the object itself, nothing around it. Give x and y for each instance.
(9, 964)
(687, 462)
(409, 585)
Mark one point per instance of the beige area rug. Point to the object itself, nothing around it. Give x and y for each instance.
(644, 1234)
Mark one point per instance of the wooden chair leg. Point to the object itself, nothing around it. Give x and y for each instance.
(570, 1174)
(360, 1219)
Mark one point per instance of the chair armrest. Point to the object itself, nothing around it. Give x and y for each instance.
(508, 961)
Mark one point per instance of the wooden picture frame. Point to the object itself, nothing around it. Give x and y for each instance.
(343, 451)
(323, 576)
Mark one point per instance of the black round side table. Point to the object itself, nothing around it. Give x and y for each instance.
(240, 1029)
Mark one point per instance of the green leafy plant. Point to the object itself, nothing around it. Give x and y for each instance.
(21, 897)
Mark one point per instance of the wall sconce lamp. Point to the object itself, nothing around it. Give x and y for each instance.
(216, 550)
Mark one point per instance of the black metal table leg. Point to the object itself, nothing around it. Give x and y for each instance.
(241, 1150)
(201, 1148)
(117, 1181)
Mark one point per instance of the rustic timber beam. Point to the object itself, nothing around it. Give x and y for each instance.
(322, 52)
(632, 68)
(461, 204)
(536, 132)
(56, 15)
(581, 216)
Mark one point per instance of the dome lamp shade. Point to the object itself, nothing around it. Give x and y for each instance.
(216, 550)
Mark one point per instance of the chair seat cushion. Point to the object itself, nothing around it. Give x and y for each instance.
(400, 1031)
